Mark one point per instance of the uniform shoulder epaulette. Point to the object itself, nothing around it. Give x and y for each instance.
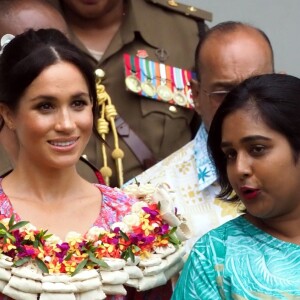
(184, 9)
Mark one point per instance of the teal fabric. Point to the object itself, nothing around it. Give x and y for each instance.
(239, 261)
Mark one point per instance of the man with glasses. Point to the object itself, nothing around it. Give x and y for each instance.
(229, 53)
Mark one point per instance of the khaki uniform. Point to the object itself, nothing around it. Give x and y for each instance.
(149, 25)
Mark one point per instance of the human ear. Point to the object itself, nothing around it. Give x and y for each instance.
(7, 116)
(195, 85)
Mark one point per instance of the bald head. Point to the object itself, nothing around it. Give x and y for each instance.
(224, 34)
(229, 53)
(16, 16)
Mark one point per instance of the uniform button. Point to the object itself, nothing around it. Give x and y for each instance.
(172, 109)
(100, 73)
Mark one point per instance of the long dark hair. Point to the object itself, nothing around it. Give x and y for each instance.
(275, 99)
(29, 53)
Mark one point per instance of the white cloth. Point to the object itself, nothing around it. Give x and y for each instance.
(199, 206)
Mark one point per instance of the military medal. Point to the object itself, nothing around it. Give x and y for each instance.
(133, 83)
(147, 76)
(158, 81)
(179, 98)
(148, 88)
(163, 91)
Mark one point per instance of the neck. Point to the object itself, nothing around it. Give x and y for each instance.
(51, 185)
(97, 33)
(286, 228)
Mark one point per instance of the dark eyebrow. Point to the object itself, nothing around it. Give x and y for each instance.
(51, 98)
(246, 139)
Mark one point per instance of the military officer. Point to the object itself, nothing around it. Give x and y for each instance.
(159, 38)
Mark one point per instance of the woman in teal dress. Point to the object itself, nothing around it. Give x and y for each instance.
(254, 141)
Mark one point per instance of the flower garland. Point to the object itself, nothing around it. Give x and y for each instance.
(143, 251)
(139, 234)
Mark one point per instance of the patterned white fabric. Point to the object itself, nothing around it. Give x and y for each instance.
(199, 206)
(205, 168)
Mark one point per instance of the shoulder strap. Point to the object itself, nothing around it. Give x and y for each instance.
(133, 141)
(187, 10)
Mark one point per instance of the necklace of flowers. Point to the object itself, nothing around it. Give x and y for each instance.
(139, 234)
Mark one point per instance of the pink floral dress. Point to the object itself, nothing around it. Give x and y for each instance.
(115, 205)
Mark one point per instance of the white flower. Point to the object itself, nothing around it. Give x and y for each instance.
(146, 189)
(137, 207)
(123, 227)
(131, 220)
(131, 190)
(47, 258)
(98, 243)
(94, 232)
(53, 240)
(28, 227)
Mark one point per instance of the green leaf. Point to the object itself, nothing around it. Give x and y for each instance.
(41, 265)
(136, 248)
(68, 257)
(124, 235)
(18, 225)
(22, 261)
(131, 255)
(3, 231)
(11, 237)
(97, 261)
(11, 220)
(172, 230)
(174, 240)
(47, 236)
(125, 254)
(80, 266)
(35, 243)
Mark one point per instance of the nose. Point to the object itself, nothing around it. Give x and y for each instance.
(64, 122)
(243, 166)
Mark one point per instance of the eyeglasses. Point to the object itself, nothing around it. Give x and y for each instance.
(216, 96)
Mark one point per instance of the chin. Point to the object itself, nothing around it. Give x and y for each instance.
(63, 163)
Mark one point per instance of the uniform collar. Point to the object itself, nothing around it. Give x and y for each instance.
(205, 168)
(139, 17)
(138, 20)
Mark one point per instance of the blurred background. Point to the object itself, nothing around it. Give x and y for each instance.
(279, 19)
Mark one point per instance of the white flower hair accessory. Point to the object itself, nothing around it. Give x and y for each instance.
(5, 40)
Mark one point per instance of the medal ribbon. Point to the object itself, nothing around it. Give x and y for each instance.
(178, 78)
(187, 75)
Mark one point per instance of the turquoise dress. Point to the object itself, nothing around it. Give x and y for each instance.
(239, 261)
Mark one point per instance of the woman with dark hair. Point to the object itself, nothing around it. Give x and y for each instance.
(48, 99)
(254, 140)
